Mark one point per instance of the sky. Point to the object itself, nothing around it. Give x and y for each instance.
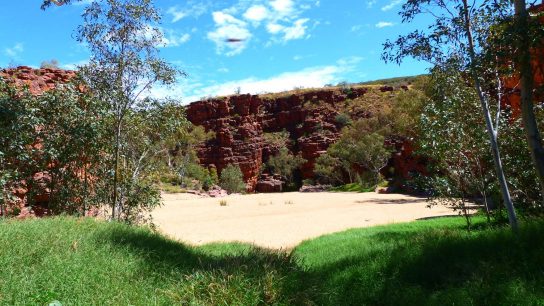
(285, 44)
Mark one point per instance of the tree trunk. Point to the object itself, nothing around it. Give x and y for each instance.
(527, 85)
(116, 169)
(489, 125)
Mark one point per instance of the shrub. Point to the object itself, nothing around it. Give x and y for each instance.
(285, 163)
(232, 179)
(342, 119)
(52, 64)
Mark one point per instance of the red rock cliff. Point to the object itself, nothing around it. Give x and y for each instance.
(240, 122)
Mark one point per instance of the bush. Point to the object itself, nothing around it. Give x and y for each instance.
(232, 179)
(285, 163)
(343, 119)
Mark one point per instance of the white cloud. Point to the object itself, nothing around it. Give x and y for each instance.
(281, 18)
(193, 9)
(282, 6)
(356, 28)
(74, 65)
(82, 2)
(370, 3)
(15, 51)
(274, 28)
(310, 77)
(256, 13)
(170, 37)
(227, 28)
(175, 40)
(222, 18)
(391, 5)
(176, 13)
(297, 31)
(383, 24)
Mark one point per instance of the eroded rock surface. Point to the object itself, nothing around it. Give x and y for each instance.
(309, 117)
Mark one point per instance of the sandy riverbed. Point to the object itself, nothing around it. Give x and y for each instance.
(283, 220)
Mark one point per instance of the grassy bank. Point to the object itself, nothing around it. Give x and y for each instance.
(83, 262)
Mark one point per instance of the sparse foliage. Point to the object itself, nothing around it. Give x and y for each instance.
(122, 38)
(232, 179)
(52, 64)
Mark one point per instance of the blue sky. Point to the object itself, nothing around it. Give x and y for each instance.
(286, 43)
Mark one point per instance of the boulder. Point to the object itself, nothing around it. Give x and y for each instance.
(268, 184)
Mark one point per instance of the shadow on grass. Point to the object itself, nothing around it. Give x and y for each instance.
(398, 267)
(441, 267)
(265, 276)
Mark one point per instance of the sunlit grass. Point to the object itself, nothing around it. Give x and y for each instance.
(437, 262)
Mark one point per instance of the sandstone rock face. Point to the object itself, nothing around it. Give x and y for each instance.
(267, 184)
(37, 80)
(240, 122)
(512, 85)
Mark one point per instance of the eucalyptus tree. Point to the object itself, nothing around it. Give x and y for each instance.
(460, 36)
(123, 38)
(51, 144)
(529, 31)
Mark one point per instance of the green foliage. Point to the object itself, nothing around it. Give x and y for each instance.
(408, 107)
(328, 169)
(361, 145)
(213, 176)
(52, 64)
(284, 163)
(184, 160)
(395, 82)
(352, 187)
(342, 119)
(123, 66)
(452, 135)
(232, 179)
(53, 142)
(277, 139)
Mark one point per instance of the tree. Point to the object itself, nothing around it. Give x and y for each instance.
(184, 159)
(328, 169)
(451, 135)
(51, 145)
(361, 147)
(284, 163)
(232, 179)
(466, 29)
(154, 131)
(122, 38)
(18, 122)
(522, 22)
(52, 64)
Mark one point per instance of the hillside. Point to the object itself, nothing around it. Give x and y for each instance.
(312, 117)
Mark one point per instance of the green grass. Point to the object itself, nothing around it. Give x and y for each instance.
(431, 262)
(398, 81)
(171, 188)
(352, 187)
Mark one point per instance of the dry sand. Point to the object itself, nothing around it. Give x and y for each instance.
(283, 220)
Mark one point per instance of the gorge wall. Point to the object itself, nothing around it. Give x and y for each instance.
(310, 118)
